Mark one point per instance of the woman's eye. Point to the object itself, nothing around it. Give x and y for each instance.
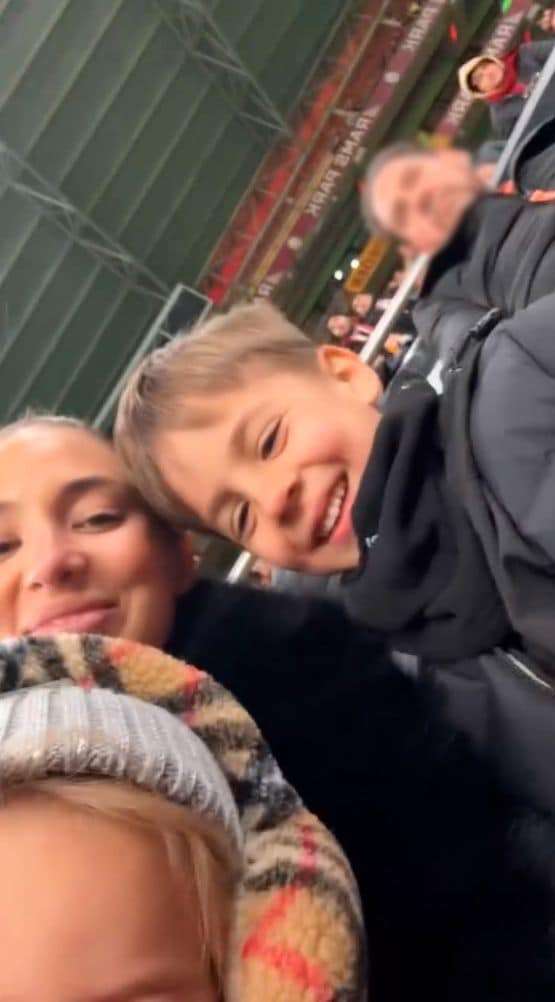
(100, 520)
(268, 442)
(7, 546)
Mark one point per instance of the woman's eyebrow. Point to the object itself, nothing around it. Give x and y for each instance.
(74, 489)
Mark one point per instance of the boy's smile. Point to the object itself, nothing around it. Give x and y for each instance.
(275, 463)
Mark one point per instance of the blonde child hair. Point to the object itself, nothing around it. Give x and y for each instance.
(96, 720)
(217, 355)
(194, 847)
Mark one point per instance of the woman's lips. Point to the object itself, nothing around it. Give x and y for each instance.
(95, 619)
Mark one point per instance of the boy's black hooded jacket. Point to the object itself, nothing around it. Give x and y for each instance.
(455, 870)
(500, 406)
(423, 580)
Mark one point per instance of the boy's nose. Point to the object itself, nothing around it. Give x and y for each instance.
(281, 499)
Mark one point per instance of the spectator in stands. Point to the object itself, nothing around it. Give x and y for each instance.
(427, 828)
(135, 828)
(372, 311)
(352, 333)
(418, 196)
(547, 19)
(348, 330)
(505, 83)
(489, 251)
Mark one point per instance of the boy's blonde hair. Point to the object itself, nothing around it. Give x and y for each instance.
(194, 847)
(214, 357)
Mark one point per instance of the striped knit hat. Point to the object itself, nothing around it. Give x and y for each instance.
(298, 929)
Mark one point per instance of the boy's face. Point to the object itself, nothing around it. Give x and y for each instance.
(487, 77)
(276, 463)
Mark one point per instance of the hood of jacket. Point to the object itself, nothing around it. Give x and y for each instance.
(422, 578)
(467, 69)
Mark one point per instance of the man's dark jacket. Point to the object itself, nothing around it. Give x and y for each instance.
(500, 407)
(502, 255)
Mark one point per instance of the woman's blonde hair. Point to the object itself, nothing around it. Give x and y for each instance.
(214, 357)
(32, 419)
(40, 419)
(193, 845)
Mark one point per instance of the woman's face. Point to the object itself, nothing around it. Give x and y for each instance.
(78, 551)
(91, 910)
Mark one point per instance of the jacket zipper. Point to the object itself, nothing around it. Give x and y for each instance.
(525, 669)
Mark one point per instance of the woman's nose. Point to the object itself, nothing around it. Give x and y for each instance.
(54, 564)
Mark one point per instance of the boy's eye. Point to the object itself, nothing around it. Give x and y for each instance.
(241, 520)
(7, 546)
(100, 520)
(268, 442)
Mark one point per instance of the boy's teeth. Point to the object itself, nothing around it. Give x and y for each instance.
(333, 511)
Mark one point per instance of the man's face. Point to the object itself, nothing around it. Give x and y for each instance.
(420, 197)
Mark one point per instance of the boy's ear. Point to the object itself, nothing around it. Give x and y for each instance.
(348, 369)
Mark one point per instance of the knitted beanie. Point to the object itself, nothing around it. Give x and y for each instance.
(164, 725)
(60, 729)
(467, 69)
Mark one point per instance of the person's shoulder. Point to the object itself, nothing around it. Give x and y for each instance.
(442, 279)
(534, 53)
(509, 419)
(240, 633)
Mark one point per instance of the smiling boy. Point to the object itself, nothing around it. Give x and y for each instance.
(250, 430)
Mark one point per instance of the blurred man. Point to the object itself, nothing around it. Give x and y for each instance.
(418, 196)
(488, 250)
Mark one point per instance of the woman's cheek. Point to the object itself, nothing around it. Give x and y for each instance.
(127, 553)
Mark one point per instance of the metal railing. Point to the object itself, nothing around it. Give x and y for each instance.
(386, 324)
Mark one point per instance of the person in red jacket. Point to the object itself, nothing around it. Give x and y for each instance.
(505, 83)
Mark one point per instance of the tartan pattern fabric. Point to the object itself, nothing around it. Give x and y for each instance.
(298, 933)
